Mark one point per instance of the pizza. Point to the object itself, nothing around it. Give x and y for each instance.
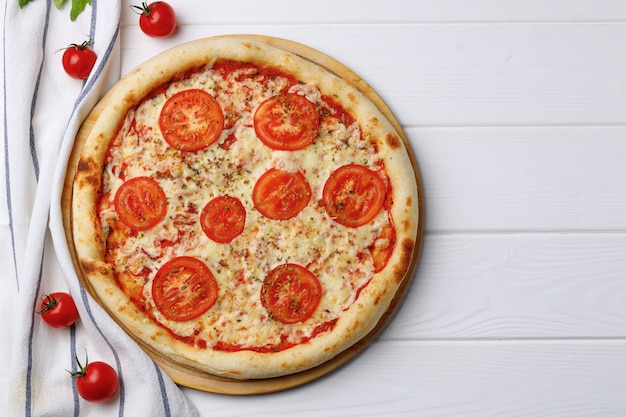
(242, 210)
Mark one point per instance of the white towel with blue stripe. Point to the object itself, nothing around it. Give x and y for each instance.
(42, 111)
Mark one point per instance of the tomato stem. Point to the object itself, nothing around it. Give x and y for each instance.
(82, 369)
(79, 47)
(83, 45)
(144, 9)
(49, 302)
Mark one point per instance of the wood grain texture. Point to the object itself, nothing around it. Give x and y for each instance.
(442, 379)
(461, 74)
(516, 286)
(522, 179)
(236, 12)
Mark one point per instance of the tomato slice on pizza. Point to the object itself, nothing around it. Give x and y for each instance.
(291, 293)
(140, 203)
(281, 195)
(353, 195)
(191, 120)
(184, 288)
(287, 122)
(223, 218)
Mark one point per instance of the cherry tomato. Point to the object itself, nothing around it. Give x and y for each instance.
(353, 195)
(96, 381)
(291, 293)
(141, 203)
(184, 288)
(78, 60)
(58, 310)
(191, 120)
(223, 218)
(281, 195)
(286, 122)
(156, 19)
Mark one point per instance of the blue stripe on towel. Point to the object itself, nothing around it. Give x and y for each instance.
(7, 176)
(85, 300)
(76, 400)
(29, 369)
(166, 402)
(28, 389)
(33, 148)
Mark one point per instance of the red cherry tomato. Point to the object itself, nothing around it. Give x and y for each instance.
(281, 195)
(223, 218)
(58, 310)
(184, 288)
(353, 195)
(291, 293)
(157, 19)
(191, 120)
(78, 60)
(286, 122)
(141, 203)
(96, 381)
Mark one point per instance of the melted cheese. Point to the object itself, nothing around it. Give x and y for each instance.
(337, 255)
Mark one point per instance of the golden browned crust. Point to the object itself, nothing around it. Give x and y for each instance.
(407, 246)
(93, 268)
(393, 141)
(354, 324)
(87, 173)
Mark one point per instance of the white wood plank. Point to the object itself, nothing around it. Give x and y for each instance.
(523, 286)
(469, 379)
(522, 179)
(396, 11)
(460, 74)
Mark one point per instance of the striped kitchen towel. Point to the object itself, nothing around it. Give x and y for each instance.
(42, 112)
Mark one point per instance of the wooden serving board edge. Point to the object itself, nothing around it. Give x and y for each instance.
(193, 378)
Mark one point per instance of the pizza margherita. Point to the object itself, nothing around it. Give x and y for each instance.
(243, 210)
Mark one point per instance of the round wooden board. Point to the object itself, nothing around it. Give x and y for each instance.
(190, 377)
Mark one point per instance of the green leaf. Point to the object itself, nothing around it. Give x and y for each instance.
(77, 7)
(23, 3)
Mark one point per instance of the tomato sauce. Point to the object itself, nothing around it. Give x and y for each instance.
(336, 111)
(248, 70)
(283, 345)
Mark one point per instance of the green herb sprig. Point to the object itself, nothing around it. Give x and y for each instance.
(77, 6)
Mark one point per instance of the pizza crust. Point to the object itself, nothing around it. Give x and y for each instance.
(353, 324)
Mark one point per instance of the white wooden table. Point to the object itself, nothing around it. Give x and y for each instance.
(516, 113)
